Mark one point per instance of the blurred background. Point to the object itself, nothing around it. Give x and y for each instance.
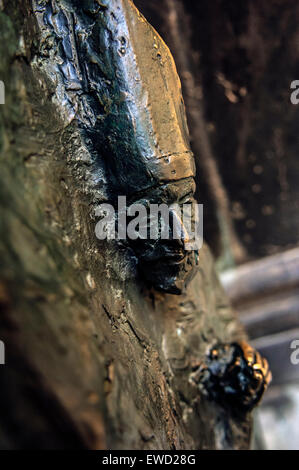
(237, 61)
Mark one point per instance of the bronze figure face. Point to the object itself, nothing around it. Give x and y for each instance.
(166, 263)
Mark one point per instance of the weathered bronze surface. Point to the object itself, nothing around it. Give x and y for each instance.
(72, 303)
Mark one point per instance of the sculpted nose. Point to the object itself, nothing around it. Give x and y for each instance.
(179, 231)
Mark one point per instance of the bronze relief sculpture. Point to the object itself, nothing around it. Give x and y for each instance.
(117, 71)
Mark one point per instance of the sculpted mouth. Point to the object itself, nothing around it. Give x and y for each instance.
(167, 256)
(169, 272)
(174, 258)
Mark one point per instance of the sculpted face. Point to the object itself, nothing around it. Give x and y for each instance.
(166, 264)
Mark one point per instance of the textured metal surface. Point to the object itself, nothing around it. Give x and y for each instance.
(115, 356)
